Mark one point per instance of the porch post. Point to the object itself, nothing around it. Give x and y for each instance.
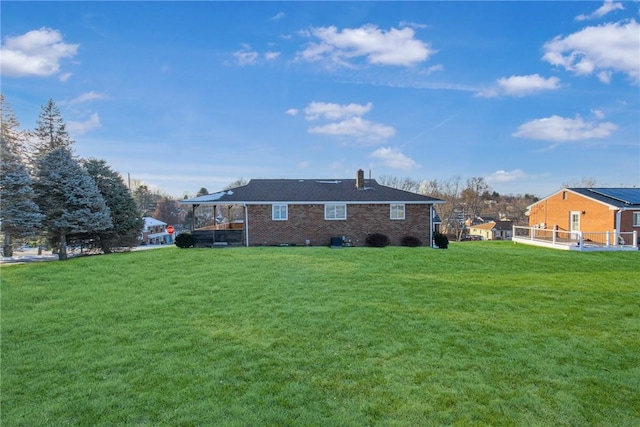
(193, 217)
(635, 239)
(581, 239)
(614, 233)
(555, 233)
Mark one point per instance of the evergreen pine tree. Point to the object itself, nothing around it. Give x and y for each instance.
(19, 215)
(69, 198)
(51, 131)
(127, 222)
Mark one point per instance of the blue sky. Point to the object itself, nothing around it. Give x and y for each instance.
(184, 95)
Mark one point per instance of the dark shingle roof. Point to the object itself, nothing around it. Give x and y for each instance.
(260, 191)
(618, 197)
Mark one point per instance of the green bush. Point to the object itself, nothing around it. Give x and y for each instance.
(377, 240)
(441, 240)
(185, 240)
(411, 241)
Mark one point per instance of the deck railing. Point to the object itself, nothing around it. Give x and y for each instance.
(579, 239)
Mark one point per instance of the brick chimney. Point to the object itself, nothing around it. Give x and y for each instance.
(360, 179)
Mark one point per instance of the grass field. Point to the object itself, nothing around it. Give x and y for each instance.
(479, 334)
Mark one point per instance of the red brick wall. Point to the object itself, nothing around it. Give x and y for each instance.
(306, 222)
(626, 222)
(555, 211)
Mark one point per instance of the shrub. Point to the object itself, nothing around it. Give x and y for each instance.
(441, 240)
(185, 240)
(411, 241)
(377, 240)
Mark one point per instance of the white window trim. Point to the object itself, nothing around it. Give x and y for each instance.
(636, 219)
(280, 206)
(391, 211)
(334, 206)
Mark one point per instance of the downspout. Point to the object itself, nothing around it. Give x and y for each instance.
(431, 225)
(246, 224)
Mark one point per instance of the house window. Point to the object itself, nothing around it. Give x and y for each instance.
(636, 219)
(335, 211)
(397, 211)
(279, 212)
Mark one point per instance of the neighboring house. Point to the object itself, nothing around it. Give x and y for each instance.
(588, 209)
(317, 211)
(154, 232)
(608, 217)
(493, 230)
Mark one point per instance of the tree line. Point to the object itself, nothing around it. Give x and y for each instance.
(49, 194)
(466, 201)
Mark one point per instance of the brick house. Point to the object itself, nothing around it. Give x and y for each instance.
(316, 211)
(154, 232)
(588, 209)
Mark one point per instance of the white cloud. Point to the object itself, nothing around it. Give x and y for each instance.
(346, 121)
(64, 77)
(270, 56)
(502, 176)
(415, 25)
(561, 129)
(379, 47)
(607, 48)
(394, 159)
(608, 7)
(330, 111)
(80, 128)
(363, 130)
(36, 53)
(85, 97)
(246, 56)
(521, 85)
(278, 16)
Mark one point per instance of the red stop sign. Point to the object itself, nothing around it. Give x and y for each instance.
(170, 229)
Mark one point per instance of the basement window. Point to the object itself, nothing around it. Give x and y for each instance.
(279, 212)
(335, 212)
(397, 211)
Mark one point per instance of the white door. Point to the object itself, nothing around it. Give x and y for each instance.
(574, 224)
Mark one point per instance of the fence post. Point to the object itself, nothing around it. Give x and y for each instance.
(607, 242)
(533, 232)
(581, 239)
(554, 234)
(635, 239)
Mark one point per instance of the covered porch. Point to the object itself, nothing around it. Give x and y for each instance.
(215, 223)
(582, 241)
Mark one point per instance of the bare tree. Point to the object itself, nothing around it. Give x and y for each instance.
(581, 183)
(471, 196)
(167, 210)
(240, 182)
(405, 184)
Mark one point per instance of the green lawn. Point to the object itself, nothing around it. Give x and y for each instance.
(479, 334)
